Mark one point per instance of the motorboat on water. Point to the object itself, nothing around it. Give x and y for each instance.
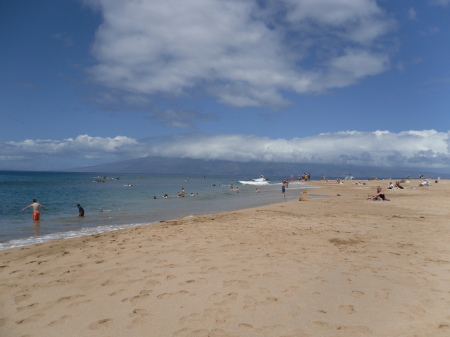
(258, 181)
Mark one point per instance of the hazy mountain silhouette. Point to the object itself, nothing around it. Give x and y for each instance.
(159, 165)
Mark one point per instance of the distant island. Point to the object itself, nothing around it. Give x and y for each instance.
(164, 165)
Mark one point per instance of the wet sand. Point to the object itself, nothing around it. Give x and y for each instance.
(339, 265)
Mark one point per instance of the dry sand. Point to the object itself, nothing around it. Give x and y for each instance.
(340, 265)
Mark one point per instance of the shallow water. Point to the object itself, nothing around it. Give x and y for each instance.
(117, 201)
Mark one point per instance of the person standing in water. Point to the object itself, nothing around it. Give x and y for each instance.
(80, 210)
(35, 205)
(283, 188)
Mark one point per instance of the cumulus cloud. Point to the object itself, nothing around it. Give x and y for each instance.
(243, 53)
(409, 149)
(427, 148)
(47, 154)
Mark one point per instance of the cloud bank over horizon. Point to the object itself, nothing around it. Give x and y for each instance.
(241, 53)
(425, 149)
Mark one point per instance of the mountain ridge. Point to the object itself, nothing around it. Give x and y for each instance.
(165, 165)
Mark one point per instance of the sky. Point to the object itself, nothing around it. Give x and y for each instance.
(86, 82)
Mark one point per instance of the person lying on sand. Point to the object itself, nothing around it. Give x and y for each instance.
(397, 184)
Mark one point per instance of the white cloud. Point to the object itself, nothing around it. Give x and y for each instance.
(53, 154)
(426, 148)
(415, 149)
(241, 52)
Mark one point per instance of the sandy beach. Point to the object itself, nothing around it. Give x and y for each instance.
(338, 265)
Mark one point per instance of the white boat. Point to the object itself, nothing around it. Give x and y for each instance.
(258, 181)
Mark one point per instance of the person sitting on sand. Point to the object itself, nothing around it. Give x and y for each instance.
(391, 185)
(379, 195)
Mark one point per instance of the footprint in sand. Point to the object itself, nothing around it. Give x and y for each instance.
(21, 298)
(357, 294)
(30, 306)
(348, 309)
(77, 303)
(238, 283)
(100, 324)
(152, 283)
(32, 318)
(60, 320)
(207, 269)
(195, 317)
(68, 298)
(406, 317)
(197, 281)
(291, 291)
(143, 294)
(181, 292)
(139, 316)
(271, 274)
(382, 294)
(117, 292)
(245, 326)
(270, 300)
(445, 328)
(253, 276)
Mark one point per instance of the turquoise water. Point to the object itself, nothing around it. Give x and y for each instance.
(117, 201)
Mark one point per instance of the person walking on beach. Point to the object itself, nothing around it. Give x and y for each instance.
(80, 210)
(283, 188)
(35, 205)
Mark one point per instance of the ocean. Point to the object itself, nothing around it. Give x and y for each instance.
(113, 201)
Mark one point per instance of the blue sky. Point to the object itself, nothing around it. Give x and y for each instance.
(323, 81)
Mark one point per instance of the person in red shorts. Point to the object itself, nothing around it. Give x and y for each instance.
(36, 213)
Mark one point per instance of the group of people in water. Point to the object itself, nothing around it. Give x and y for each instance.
(379, 195)
(180, 194)
(37, 213)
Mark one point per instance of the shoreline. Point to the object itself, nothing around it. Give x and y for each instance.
(335, 266)
(88, 229)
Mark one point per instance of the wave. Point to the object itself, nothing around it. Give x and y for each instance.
(65, 235)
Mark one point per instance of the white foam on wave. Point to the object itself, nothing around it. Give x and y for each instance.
(64, 235)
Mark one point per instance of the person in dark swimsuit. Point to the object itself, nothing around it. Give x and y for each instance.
(80, 210)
